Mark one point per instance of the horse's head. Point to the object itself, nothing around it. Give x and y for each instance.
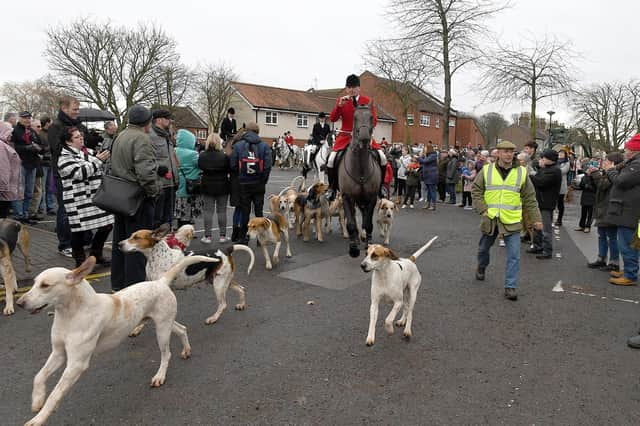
(362, 125)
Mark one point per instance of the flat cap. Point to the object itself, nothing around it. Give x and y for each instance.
(24, 114)
(505, 145)
(139, 115)
(161, 113)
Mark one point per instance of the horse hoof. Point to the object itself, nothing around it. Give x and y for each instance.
(354, 251)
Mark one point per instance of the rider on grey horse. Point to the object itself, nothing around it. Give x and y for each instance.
(344, 109)
(320, 133)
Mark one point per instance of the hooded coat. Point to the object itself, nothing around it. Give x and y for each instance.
(188, 159)
(10, 167)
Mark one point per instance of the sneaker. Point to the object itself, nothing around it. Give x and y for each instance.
(634, 342)
(223, 240)
(206, 240)
(610, 267)
(411, 206)
(587, 230)
(404, 206)
(468, 208)
(510, 293)
(578, 229)
(67, 252)
(501, 243)
(421, 200)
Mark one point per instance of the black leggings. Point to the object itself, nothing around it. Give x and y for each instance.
(466, 196)
(402, 187)
(586, 217)
(97, 244)
(560, 208)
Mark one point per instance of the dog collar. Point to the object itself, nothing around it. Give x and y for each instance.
(174, 243)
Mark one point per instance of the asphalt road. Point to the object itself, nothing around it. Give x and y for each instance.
(475, 358)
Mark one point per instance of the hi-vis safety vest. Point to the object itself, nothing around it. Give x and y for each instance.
(502, 197)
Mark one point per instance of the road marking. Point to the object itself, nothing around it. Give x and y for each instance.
(559, 289)
(21, 290)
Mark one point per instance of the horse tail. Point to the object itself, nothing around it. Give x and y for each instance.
(422, 249)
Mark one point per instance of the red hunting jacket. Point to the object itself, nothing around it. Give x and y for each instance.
(345, 113)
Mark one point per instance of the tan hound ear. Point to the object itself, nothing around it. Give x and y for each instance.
(76, 276)
(391, 255)
(160, 232)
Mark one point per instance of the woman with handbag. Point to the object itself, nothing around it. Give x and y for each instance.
(81, 174)
(215, 186)
(189, 202)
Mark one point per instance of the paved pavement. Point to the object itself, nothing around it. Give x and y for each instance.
(475, 358)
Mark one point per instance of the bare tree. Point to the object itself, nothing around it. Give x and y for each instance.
(491, 124)
(111, 67)
(35, 96)
(444, 31)
(214, 92)
(173, 85)
(607, 110)
(404, 73)
(540, 70)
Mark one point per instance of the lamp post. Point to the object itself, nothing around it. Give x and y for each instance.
(550, 112)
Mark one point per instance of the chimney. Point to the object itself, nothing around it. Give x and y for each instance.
(524, 119)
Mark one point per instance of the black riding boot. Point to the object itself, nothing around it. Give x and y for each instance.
(332, 175)
(235, 234)
(381, 192)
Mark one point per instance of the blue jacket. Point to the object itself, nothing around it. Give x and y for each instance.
(429, 168)
(188, 159)
(252, 142)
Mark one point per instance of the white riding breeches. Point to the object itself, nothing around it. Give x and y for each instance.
(332, 158)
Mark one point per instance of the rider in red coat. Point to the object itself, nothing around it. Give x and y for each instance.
(288, 138)
(344, 109)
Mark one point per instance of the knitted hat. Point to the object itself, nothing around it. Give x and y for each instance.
(633, 144)
(550, 154)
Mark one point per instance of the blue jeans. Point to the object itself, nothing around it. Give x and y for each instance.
(21, 207)
(629, 254)
(430, 192)
(451, 190)
(47, 202)
(512, 243)
(608, 243)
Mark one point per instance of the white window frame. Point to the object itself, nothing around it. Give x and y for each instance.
(425, 120)
(410, 119)
(452, 122)
(437, 122)
(271, 118)
(302, 120)
(201, 134)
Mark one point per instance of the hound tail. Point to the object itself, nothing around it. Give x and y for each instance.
(170, 275)
(300, 186)
(422, 249)
(246, 249)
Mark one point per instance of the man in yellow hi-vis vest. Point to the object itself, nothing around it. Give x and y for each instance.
(503, 194)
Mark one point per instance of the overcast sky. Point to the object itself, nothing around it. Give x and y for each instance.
(300, 44)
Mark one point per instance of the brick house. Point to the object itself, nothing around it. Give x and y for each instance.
(424, 118)
(520, 133)
(277, 110)
(184, 117)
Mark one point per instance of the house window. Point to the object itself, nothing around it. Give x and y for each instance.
(438, 123)
(425, 120)
(271, 117)
(201, 134)
(410, 119)
(452, 123)
(303, 120)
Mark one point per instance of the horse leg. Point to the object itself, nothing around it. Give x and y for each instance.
(352, 229)
(367, 219)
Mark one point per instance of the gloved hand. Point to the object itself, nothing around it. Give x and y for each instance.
(162, 171)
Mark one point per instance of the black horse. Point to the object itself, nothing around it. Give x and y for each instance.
(360, 177)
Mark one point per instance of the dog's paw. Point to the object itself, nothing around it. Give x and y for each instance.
(38, 401)
(289, 255)
(136, 331)
(186, 353)
(370, 341)
(211, 320)
(8, 310)
(386, 242)
(241, 307)
(34, 422)
(269, 267)
(157, 381)
(401, 323)
(407, 334)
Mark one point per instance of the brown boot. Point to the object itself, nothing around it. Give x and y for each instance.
(616, 274)
(622, 281)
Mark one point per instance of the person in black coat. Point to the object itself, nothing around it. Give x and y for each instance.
(587, 200)
(27, 145)
(228, 128)
(215, 167)
(547, 183)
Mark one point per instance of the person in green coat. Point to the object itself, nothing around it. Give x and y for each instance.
(188, 206)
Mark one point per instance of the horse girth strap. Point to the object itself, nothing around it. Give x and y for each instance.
(361, 180)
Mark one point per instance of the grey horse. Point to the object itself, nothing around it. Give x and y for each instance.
(360, 178)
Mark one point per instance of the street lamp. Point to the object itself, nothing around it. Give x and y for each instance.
(550, 115)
